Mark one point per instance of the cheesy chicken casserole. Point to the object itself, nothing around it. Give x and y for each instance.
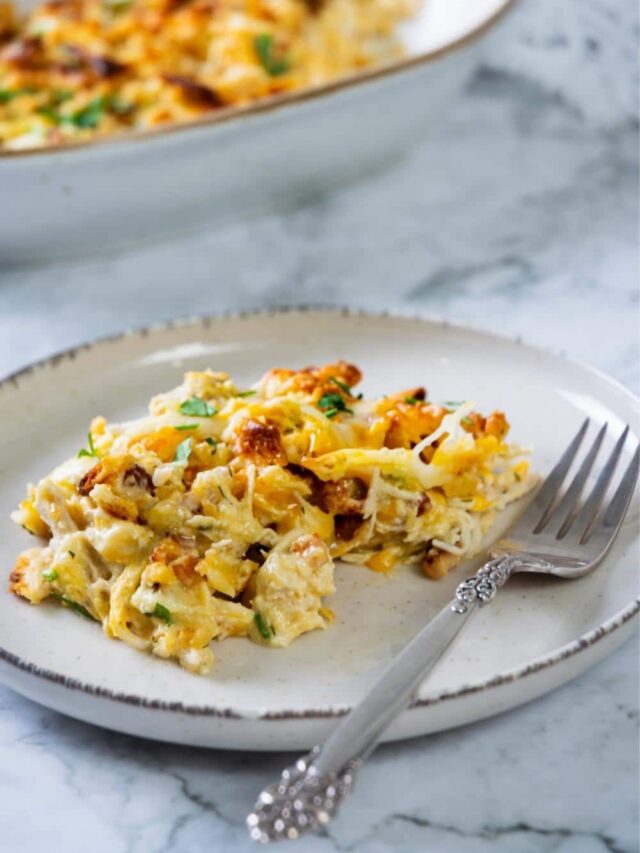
(74, 69)
(221, 512)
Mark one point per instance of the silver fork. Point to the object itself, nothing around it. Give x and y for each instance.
(557, 535)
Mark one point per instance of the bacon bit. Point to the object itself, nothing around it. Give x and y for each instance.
(423, 506)
(314, 482)
(345, 496)
(104, 67)
(261, 442)
(257, 553)
(194, 92)
(346, 526)
(137, 477)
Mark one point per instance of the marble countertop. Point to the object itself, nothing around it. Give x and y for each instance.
(518, 213)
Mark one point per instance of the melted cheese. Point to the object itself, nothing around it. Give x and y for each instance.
(220, 513)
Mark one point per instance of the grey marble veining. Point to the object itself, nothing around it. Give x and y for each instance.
(518, 213)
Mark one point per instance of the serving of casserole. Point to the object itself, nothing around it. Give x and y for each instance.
(221, 512)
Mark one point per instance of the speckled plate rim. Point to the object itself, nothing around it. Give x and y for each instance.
(273, 103)
(581, 644)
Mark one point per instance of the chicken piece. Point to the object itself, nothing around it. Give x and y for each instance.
(289, 589)
(26, 578)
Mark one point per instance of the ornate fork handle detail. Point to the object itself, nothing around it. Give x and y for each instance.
(482, 587)
(302, 801)
(309, 793)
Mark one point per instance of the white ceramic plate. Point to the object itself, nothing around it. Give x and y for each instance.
(537, 634)
(71, 200)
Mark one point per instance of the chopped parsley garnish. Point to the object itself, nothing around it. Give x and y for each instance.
(161, 612)
(262, 626)
(411, 400)
(50, 575)
(341, 385)
(452, 404)
(213, 444)
(273, 61)
(183, 450)
(198, 408)
(71, 553)
(182, 427)
(466, 421)
(248, 393)
(73, 605)
(60, 96)
(89, 117)
(332, 404)
(51, 113)
(8, 95)
(91, 451)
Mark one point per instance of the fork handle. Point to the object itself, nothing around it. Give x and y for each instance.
(308, 794)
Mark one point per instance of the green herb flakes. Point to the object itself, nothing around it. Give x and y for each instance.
(262, 627)
(89, 117)
(411, 400)
(73, 605)
(213, 444)
(183, 450)
(341, 385)
(332, 404)
(92, 450)
(8, 95)
(273, 61)
(161, 612)
(50, 575)
(182, 427)
(249, 393)
(198, 408)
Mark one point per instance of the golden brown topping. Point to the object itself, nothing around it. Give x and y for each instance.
(181, 555)
(496, 424)
(94, 475)
(436, 564)
(410, 422)
(261, 442)
(312, 382)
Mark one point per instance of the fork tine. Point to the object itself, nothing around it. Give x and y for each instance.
(618, 507)
(544, 499)
(573, 493)
(592, 504)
